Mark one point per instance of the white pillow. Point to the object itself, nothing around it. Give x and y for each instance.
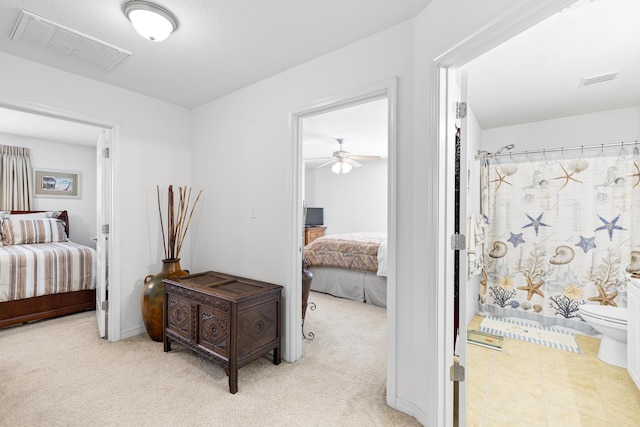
(382, 259)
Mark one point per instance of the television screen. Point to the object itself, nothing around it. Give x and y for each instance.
(315, 217)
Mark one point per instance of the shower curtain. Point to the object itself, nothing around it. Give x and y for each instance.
(559, 232)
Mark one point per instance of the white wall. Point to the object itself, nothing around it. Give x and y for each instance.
(604, 127)
(353, 202)
(231, 241)
(420, 367)
(251, 126)
(49, 155)
(153, 148)
(240, 157)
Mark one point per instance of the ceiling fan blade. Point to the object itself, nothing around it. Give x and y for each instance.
(328, 162)
(352, 162)
(318, 158)
(366, 157)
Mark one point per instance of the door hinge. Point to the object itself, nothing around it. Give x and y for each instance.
(105, 228)
(461, 110)
(458, 242)
(456, 372)
(105, 305)
(105, 153)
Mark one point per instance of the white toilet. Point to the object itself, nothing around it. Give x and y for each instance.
(611, 322)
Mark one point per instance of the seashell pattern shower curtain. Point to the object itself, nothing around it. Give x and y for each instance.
(559, 232)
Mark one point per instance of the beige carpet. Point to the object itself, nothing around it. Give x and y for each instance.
(59, 373)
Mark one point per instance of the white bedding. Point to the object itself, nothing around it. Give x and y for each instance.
(363, 286)
(382, 259)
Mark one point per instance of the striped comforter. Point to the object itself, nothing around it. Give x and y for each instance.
(45, 268)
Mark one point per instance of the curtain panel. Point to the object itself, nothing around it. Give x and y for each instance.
(559, 233)
(15, 178)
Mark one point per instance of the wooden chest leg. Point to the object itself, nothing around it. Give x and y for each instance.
(276, 355)
(233, 379)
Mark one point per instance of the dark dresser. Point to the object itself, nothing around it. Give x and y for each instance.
(227, 319)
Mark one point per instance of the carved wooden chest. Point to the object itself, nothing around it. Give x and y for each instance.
(227, 319)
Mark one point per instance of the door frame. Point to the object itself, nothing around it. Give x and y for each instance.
(512, 20)
(293, 301)
(113, 318)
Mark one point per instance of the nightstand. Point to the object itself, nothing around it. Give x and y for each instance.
(312, 233)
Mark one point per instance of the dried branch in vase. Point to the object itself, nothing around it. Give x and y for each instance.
(178, 220)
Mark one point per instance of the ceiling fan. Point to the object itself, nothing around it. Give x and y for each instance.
(342, 160)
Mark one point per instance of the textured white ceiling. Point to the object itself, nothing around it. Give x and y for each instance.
(220, 45)
(536, 75)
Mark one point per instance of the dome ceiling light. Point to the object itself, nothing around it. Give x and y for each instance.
(151, 21)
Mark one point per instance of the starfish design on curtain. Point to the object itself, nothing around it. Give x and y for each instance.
(515, 239)
(603, 298)
(609, 226)
(636, 175)
(500, 180)
(587, 243)
(535, 223)
(532, 288)
(567, 176)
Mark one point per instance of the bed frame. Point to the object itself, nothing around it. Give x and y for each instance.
(47, 306)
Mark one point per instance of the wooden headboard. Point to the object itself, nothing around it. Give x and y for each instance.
(63, 216)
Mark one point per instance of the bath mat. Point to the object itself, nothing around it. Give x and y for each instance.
(530, 332)
(485, 339)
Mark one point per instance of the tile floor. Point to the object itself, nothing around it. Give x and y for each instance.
(532, 385)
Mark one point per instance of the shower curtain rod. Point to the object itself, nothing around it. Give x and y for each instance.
(486, 155)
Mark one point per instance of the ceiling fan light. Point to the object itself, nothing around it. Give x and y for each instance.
(151, 21)
(341, 167)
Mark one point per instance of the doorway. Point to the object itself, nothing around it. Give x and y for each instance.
(461, 63)
(385, 89)
(81, 133)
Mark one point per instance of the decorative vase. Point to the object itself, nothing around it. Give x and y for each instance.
(153, 296)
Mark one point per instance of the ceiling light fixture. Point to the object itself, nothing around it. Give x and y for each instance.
(341, 167)
(151, 21)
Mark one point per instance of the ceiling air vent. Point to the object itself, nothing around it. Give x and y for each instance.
(51, 37)
(598, 79)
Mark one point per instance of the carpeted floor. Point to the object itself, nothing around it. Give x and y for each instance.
(59, 373)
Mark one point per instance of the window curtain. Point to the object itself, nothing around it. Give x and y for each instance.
(560, 232)
(15, 178)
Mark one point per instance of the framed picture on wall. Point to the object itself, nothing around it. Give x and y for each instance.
(56, 183)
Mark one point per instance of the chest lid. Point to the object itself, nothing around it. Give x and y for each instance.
(224, 285)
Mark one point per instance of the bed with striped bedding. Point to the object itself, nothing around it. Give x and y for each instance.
(42, 273)
(33, 270)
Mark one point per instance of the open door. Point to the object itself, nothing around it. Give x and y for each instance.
(102, 225)
(455, 87)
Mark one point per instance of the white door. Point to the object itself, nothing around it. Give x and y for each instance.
(103, 216)
(456, 214)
